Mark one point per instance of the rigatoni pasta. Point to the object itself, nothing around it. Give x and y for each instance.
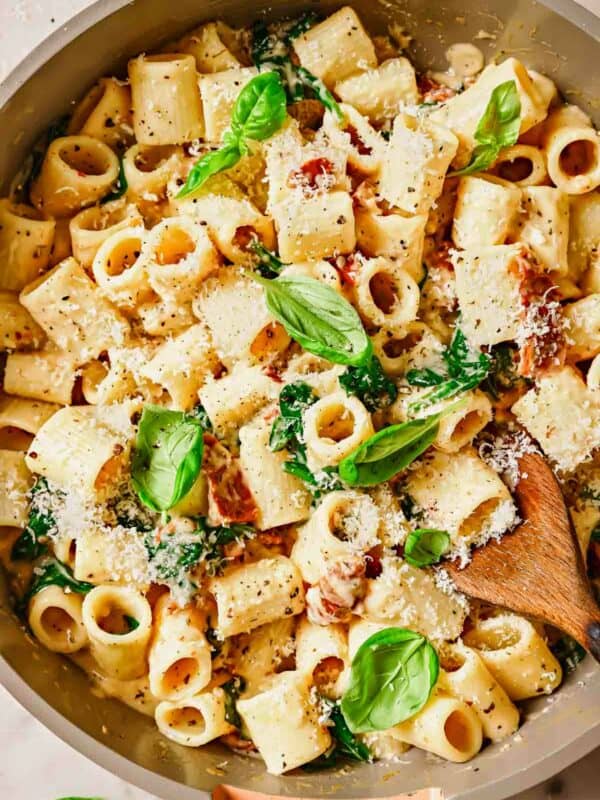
(276, 337)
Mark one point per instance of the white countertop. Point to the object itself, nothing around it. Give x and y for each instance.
(35, 764)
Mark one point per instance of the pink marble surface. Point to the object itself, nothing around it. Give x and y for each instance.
(35, 764)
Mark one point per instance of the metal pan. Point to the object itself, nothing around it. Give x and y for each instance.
(558, 38)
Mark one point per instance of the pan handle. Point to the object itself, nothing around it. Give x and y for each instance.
(225, 792)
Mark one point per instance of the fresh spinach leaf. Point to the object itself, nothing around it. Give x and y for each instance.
(498, 127)
(320, 91)
(425, 546)
(167, 456)
(318, 318)
(287, 433)
(233, 690)
(465, 369)
(31, 543)
(55, 131)
(132, 623)
(370, 384)
(268, 265)
(287, 428)
(121, 186)
(301, 25)
(588, 493)
(199, 413)
(345, 744)
(173, 555)
(568, 652)
(258, 113)
(52, 572)
(502, 375)
(388, 451)
(391, 679)
(273, 52)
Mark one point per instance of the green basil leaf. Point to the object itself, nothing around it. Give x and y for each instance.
(498, 127)
(260, 109)
(318, 318)
(568, 652)
(388, 451)
(391, 679)
(370, 384)
(121, 186)
(211, 164)
(167, 456)
(321, 92)
(425, 546)
(80, 798)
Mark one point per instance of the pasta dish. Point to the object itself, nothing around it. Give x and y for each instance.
(280, 314)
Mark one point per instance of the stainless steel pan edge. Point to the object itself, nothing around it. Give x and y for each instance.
(558, 730)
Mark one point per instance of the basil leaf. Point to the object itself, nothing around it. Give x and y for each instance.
(260, 109)
(568, 652)
(80, 798)
(121, 186)
(167, 456)
(370, 384)
(268, 264)
(233, 690)
(391, 679)
(318, 318)
(425, 546)
(31, 543)
(498, 127)
(388, 451)
(210, 164)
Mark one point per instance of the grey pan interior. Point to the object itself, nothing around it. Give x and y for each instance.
(558, 38)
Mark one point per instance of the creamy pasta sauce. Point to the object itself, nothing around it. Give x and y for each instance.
(280, 316)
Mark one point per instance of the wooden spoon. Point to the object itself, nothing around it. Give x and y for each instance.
(538, 569)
